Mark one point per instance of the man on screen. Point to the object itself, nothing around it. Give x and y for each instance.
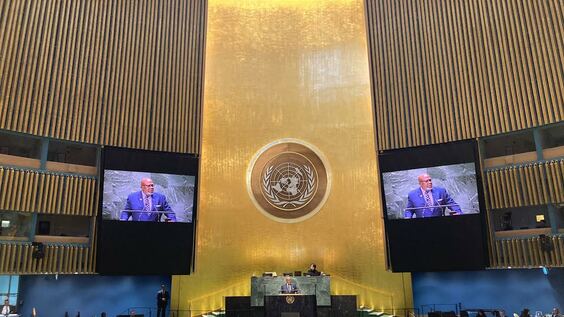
(426, 201)
(146, 205)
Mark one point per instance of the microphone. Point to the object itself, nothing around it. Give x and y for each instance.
(433, 206)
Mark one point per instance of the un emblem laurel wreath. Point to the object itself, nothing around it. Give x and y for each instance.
(304, 197)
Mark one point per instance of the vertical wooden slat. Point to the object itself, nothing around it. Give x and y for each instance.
(72, 193)
(6, 39)
(51, 194)
(490, 189)
(525, 185)
(26, 72)
(560, 250)
(500, 188)
(532, 251)
(26, 260)
(74, 69)
(512, 49)
(92, 188)
(2, 192)
(92, 82)
(16, 190)
(525, 257)
(77, 208)
(9, 70)
(78, 198)
(531, 187)
(66, 259)
(35, 185)
(9, 189)
(26, 191)
(3, 256)
(542, 182)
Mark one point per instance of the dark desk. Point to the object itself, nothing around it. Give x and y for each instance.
(290, 306)
(341, 305)
(320, 286)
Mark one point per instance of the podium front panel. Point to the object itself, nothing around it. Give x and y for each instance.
(290, 306)
(320, 286)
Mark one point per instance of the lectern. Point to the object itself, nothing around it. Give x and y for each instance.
(290, 305)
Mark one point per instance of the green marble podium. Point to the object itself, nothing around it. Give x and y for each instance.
(320, 286)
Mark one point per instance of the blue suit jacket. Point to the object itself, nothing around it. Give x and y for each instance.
(415, 199)
(135, 202)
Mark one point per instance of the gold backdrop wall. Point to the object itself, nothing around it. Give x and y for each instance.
(288, 69)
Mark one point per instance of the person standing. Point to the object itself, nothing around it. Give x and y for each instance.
(162, 301)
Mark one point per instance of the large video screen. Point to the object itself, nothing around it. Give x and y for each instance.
(437, 191)
(145, 196)
(432, 198)
(149, 207)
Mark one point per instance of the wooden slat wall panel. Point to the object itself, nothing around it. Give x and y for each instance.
(526, 185)
(450, 70)
(527, 252)
(18, 259)
(125, 73)
(35, 191)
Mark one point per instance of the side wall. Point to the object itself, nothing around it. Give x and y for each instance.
(452, 70)
(105, 72)
(88, 294)
(511, 290)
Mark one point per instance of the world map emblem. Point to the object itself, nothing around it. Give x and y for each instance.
(288, 180)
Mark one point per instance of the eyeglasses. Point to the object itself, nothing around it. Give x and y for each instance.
(150, 185)
(426, 181)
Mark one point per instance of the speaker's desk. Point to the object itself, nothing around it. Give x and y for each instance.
(320, 286)
(290, 305)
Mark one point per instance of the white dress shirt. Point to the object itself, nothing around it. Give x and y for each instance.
(5, 310)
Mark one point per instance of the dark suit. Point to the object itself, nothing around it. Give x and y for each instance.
(416, 200)
(135, 205)
(162, 302)
(313, 272)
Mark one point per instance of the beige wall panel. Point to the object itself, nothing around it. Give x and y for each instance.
(58, 193)
(484, 67)
(288, 69)
(525, 185)
(71, 70)
(17, 258)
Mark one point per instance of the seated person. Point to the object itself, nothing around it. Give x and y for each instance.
(312, 270)
(289, 287)
(146, 205)
(6, 308)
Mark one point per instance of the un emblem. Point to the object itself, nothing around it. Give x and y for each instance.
(288, 180)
